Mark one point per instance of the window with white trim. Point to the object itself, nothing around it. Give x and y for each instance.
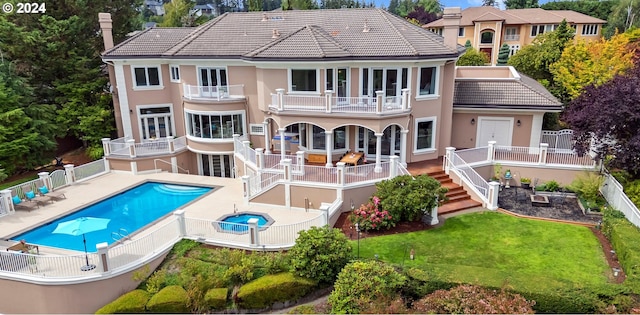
(427, 78)
(486, 37)
(155, 121)
(512, 33)
(256, 129)
(513, 49)
(209, 126)
(425, 130)
(542, 28)
(461, 32)
(437, 30)
(389, 80)
(340, 138)
(304, 80)
(175, 73)
(590, 29)
(147, 76)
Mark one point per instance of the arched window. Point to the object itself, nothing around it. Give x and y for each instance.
(486, 37)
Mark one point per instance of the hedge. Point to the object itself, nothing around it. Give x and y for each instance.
(171, 299)
(216, 298)
(624, 239)
(131, 302)
(263, 292)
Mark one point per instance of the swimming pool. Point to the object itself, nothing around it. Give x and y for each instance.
(129, 211)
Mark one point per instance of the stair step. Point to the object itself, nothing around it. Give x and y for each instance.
(458, 206)
(456, 198)
(456, 192)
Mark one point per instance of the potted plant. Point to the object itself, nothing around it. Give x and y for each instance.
(525, 182)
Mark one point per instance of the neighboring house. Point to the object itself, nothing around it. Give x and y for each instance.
(156, 6)
(325, 81)
(488, 28)
(206, 9)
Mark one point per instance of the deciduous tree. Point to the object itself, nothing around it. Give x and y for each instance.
(520, 4)
(599, 9)
(472, 57)
(320, 253)
(609, 114)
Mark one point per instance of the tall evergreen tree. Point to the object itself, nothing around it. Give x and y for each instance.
(520, 4)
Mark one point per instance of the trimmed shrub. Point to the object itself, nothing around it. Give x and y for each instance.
(320, 253)
(407, 198)
(623, 237)
(131, 302)
(263, 292)
(470, 299)
(216, 298)
(171, 299)
(361, 283)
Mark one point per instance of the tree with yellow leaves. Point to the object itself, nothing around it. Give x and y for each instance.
(596, 62)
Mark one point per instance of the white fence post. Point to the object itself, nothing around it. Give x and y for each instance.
(406, 99)
(491, 152)
(179, 214)
(393, 166)
(253, 232)
(280, 99)
(107, 166)
(340, 173)
(328, 100)
(542, 158)
(236, 139)
(286, 164)
(246, 144)
(132, 147)
(300, 161)
(174, 165)
(46, 180)
(171, 144)
(246, 189)
(260, 158)
(70, 174)
(494, 188)
(6, 200)
(103, 255)
(448, 159)
(379, 101)
(105, 146)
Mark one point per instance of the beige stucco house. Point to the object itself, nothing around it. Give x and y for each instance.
(324, 82)
(488, 28)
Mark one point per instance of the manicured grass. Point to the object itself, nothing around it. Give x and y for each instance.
(6, 185)
(495, 249)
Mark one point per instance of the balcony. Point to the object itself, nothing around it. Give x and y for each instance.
(214, 93)
(329, 103)
(515, 37)
(125, 147)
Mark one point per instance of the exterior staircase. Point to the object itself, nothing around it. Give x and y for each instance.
(459, 199)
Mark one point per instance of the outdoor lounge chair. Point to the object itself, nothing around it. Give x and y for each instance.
(31, 195)
(20, 204)
(44, 191)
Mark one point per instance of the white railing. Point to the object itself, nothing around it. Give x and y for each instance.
(562, 157)
(150, 147)
(178, 168)
(130, 252)
(179, 143)
(219, 93)
(474, 155)
(366, 173)
(402, 170)
(512, 37)
(119, 146)
(58, 179)
(238, 147)
(613, 192)
(362, 104)
(561, 139)
(316, 174)
(20, 192)
(90, 169)
(48, 266)
(516, 154)
(271, 160)
(470, 176)
(266, 181)
(304, 102)
(214, 231)
(287, 234)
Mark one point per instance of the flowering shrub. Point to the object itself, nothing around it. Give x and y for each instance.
(371, 216)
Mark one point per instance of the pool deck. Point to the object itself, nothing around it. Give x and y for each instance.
(220, 201)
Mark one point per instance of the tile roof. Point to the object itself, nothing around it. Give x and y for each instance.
(151, 42)
(520, 16)
(515, 93)
(342, 33)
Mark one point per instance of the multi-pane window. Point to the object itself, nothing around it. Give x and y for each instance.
(213, 77)
(175, 73)
(542, 28)
(318, 138)
(427, 81)
(425, 134)
(147, 76)
(590, 29)
(304, 80)
(215, 126)
(486, 37)
(340, 138)
(389, 80)
(512, 33)
(461, 32)
(513, 49)
(155, 122)
(436, 30)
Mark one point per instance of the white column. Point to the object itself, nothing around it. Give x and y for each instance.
(378, 167)
(174, 165)
(246, 189)
(107, 166)
(379, 101)
(492, 150)
(448, 159)
(286, 165)
(328, 144)
(403, 147)
(179, 214)
(6, 200)
(267, 139)
(106, 149)
(328, 100)
(340, 172)
(282, 143)
(134, 167)
(542, 159)
(236, 138)
(300, 161)
(494, 188)
(69, 174)
(393, 166)
(171, 145)
(405, 99)
(253, 232)
(280, 99)
(260, 158)
(103, 254)
(46, 179)
(131, 144)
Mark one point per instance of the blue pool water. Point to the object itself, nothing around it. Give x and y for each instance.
(129, 210)
(241, 219)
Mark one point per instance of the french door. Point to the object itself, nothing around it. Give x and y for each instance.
(217, 165)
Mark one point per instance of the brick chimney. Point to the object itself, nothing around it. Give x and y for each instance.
(106, 25)
(451, 19)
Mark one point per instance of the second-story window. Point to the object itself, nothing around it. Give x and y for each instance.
(486, 37)
(147, 76)
(590, 29)
(213, 77)
(427, 81)
(461, 32)
(512, 33)
(304, 80)
(541, 29)
(215, 126)
(175, 73)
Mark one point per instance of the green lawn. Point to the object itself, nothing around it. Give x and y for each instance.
(17, 182)
(494, 249)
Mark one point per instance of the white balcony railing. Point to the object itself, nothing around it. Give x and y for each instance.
(512, 37)
(216, 93)
(153, 147)
(329, 103)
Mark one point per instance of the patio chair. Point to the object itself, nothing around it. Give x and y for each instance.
(44, 191)
(31, 195)
(20, 204)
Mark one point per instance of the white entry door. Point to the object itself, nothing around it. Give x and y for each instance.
(498, 129)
